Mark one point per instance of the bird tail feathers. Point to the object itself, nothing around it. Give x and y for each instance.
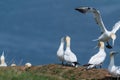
(85, 65)
(76, 63)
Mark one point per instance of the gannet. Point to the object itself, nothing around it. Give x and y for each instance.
(28, 65)
(13, 65)
(2, 58)
(106, 35)
(113, 70)
(69, 56)
(60, 52)
(97, 59)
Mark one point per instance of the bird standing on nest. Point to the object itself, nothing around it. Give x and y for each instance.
(69, 56)
(97, 59)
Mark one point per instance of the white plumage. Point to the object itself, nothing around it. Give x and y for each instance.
(13, 65)
(114, 70)
(60, 52)
(28, 65)
(97, 59)
(69, 56)
(106, 35)
(2, 58)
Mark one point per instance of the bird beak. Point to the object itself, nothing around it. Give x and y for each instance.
(113, 42)
(95, 47)
(113, 36)
(62, 39)
(113, 53)
(98, 45)
(116, 53)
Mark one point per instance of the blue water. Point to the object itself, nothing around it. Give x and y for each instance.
(30, 30)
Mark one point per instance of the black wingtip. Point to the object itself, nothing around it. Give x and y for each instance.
(76, 63)
(76, 8)
(80, 10)
(86, 65)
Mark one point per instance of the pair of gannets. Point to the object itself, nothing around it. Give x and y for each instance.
(27, 65)
(98, 58)
(106, 35)
(2, 58)
(112, 68)
(66, 55)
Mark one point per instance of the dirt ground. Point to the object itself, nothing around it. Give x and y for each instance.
(69, 73)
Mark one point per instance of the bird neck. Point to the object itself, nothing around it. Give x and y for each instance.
(112, 60)
(2, 61)
(101, 45)
(61, 45)
(68, 44)
(101, 48)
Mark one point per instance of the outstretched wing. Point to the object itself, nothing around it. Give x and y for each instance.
(96, 14)
(98, 20)
(116, 27)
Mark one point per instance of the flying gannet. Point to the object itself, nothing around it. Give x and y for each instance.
(2, 58)
(69, 56)
(97, 59)
(106, 35)
(60, 52)
(113, 70)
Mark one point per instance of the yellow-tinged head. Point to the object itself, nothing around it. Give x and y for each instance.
(67, 40)
(101, 44)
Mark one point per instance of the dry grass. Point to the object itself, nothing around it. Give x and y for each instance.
(53, 72)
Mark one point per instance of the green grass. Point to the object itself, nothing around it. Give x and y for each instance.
(13, 75)
(16, 74)
(51, 72)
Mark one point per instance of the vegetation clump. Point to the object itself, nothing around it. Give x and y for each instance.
(53, 72)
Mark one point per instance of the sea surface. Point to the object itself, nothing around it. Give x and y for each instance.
(30, 30)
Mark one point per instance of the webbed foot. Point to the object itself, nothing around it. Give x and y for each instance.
(109, 46)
